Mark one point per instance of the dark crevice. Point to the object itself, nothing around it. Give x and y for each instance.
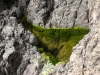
(79, 5)
(75, 18)
(13, 59)
(48, 13)
(88, 15)
(9, 3)
(76, 12)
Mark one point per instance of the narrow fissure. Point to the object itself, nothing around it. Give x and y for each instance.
(48, 13)
(76, 13)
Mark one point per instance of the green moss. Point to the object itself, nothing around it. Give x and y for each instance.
(41, 50)
(58, 42)
(52, 59)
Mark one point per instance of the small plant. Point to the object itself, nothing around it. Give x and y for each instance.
(41, 50)
(52, 59)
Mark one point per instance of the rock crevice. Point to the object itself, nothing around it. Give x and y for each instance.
(20, 56)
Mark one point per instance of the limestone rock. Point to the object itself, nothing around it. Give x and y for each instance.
(38, 11)
(52, 13)
(60, 14)
(18, 53)
(85, 57)
(69, 13)
(15, 42)
(20, 56)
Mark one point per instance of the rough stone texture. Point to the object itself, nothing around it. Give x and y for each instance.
(16, 45)
(69, 13)
(38, 11)
(18, 53)
(51, 13)
(19, 56)
(85, 59)
(58, 13)
(23, 3)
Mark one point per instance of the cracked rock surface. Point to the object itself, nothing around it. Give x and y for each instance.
(85, 57)
(58, 13)
(51, 13)
(17, 48)
(20, 56)
(18, 53)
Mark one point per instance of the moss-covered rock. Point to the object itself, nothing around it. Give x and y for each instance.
(58, 42)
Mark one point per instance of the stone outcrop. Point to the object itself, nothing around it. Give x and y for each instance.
(52, 13)
(20, 56)
(56, 13)
(85, 57)
(18, 52)
(16, 45)
(69, 13)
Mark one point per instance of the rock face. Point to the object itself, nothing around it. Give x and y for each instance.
(18, 53)
(85, 57)
(69, 13)
(52, 13)
(60, 14)
(20, 56)
(16, 46)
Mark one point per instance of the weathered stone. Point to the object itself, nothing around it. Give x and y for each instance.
(60, 14)
(69, 13)
(18, 53)
(37, 11)
(15, 40)
(85, 57)
(20, 56)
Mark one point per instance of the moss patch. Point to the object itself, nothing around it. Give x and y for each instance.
(58, 42)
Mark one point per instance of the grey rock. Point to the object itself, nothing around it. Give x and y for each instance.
(18, 53)
(82, 15)
(18, 13)
(60, 14)
(15, 41)
(69, 13)
(85, 57)
(38, 11)
(23, 3)
(52, 13)
(20, 56)
(30, 61)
